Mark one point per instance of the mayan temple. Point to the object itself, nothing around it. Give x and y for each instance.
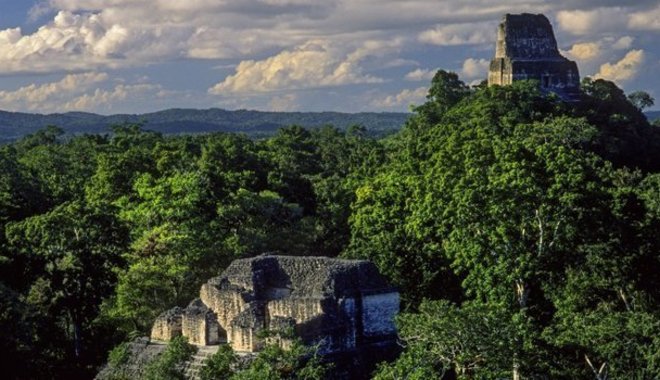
(527, 49)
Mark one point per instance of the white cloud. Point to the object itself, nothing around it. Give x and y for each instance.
(316, 63)
(105, 100)
(589, 51)
(420, 75)
(269, 43)
(99, 34)
(404, 98)
(624, 69)
(474, 68)
(584, 51)
(459, 34)
(81, 42)
(33, 96)
(74, 92)
(623, 43)
(593, 21)
(646, 20)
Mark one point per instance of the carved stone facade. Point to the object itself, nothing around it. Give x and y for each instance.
(339, 304)
(527, 49)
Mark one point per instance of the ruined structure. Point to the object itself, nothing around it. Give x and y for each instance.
(527, 49)
(342, 305)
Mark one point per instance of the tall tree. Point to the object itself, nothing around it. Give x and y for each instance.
(72, 253)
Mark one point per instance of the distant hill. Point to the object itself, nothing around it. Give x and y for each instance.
(14, 125)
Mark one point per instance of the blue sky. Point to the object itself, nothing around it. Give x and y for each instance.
(135, 56)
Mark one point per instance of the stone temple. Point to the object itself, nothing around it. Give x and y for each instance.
(527, 49)
(341, 305)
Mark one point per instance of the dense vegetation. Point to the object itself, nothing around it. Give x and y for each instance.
(297, 362)
(521, 231)
(100, 234)
(15, 125)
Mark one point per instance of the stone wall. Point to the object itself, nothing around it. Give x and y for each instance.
(168, 325)
(200, 324)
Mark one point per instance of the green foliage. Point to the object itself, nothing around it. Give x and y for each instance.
(20, 340)
(275, 363)
(169, 365)
(446, 91)
(641, 99)
(71, 252)
(178, 121)
(511, 195)
(119, 355)
(272, 363)
(473, 341)
(219, 366)
(100, 234)
(535, 221)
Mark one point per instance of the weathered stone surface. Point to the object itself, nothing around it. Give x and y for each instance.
(200, 324)
(167, 325)
(338, 304)
(527, 49)
(141, 353)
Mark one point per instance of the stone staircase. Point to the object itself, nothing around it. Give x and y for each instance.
(192, 368)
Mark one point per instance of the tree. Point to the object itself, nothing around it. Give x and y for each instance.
(641, 99)
(275, 363)
(169, 365)
(505, 189)
(71, 252)
(445, 92)
(473, 341)
(293, 157)
(219, 366)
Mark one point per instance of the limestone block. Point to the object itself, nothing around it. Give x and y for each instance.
(225, 303)
(300, 309)
(167, 325)
(200, 324)
(245, 329)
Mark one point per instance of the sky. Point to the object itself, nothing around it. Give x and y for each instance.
(138, 56)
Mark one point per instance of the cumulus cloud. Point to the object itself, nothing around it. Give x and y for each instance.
(624, 69)
(582, 22)
(96, 34)
(89, 34)
(420, 75)
(646, 20)
(584, 51)
(316, 63)
(278, 46)
(33, 96)
(74, 92)
(623, 43)
(474, 68)
(404, 98)
(82, 41)
(459, 34)
(104, 100)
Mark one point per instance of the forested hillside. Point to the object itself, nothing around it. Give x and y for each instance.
(14, 125)
(521, 231)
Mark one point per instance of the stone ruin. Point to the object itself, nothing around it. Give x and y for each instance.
(526, 49)
(341, 305)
